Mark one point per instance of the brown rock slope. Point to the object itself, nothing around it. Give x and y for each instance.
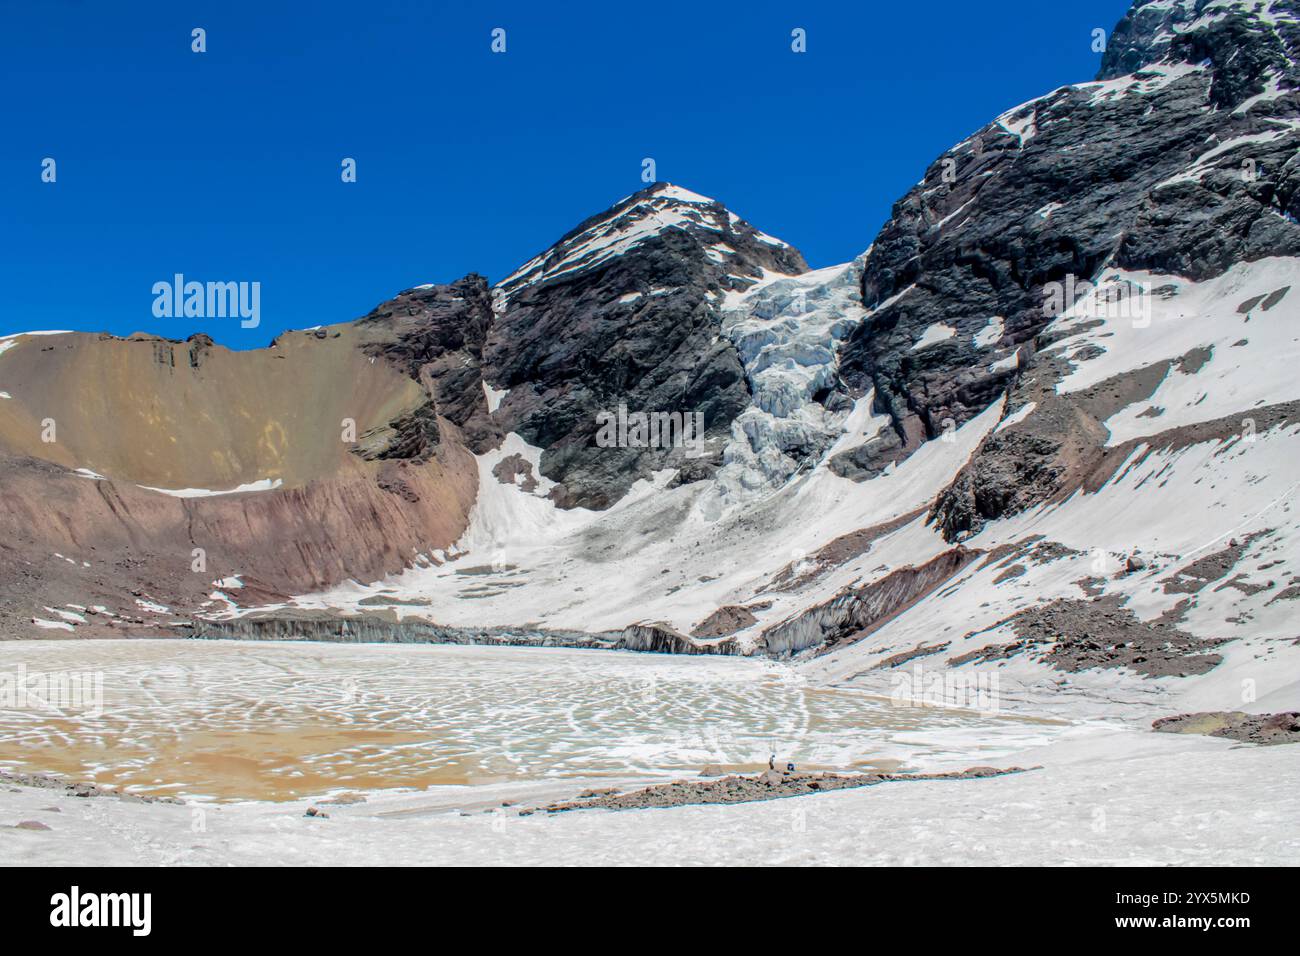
(93, 426)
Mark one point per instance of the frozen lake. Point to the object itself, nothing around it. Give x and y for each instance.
(231, 720)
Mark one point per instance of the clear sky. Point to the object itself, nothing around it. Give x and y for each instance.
(225, 165)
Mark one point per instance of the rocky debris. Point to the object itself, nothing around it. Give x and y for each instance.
(1194, 360)
(45, 781)
(343, 800)
(1175, 614)
(1246, 306)
(626, 309)
(903, 657)
(726, 620)
(1239, 583)
(858, 611)
(768, 785)
(1010, 574)
(1000, 218)
(1283, 728)
(1047, 551)
(1193, 577)
(594, 793)
(1289, 593)
(1075, 635)
(392, 600)
(392, 478)
(1009, 551)
(516, 470)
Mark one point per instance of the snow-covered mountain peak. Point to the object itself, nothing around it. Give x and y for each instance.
(667, 191)
(634, 221)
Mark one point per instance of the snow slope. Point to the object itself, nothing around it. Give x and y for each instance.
(1247, 320)
(662, 554)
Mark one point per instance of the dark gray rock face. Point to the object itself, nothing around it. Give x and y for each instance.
(435, 335)
(1185, 167)
(626, 309)
(1013, 471)
(410, 437)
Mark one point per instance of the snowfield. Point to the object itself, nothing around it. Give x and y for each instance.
(1119, 799)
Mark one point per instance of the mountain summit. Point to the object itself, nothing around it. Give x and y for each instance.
(627, 309)
(643, 217)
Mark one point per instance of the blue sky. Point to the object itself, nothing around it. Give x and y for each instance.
(225, 165)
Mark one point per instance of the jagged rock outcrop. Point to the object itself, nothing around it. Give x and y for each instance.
(412, 436)
(626, 309)
(1185, 166)
(1012, 472)
(435, 335)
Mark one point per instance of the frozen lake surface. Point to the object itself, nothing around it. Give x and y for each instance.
(229, 720)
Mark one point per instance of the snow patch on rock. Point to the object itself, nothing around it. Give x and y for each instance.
(264, 484)
(933, 335)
